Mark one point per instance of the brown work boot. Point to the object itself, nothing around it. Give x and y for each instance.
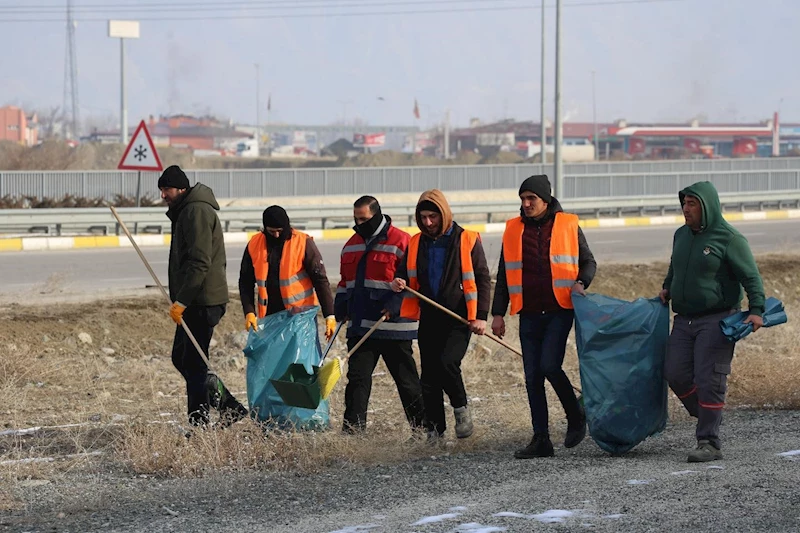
(464, 426)
(704, 452)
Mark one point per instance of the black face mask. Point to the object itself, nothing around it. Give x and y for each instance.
(279, 240)
(367, 229)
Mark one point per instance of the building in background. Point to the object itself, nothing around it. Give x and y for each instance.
(17, 127)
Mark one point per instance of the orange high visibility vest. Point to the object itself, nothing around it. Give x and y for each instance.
(410, 305)
(563, 259)
(296, 287)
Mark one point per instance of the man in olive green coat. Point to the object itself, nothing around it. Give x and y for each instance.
(198, 288)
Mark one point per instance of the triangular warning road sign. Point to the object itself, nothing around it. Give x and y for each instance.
(141, 153)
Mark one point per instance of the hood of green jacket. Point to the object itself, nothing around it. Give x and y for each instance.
(709, 200)
(198, 194)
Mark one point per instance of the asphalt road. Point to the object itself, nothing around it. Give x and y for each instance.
(92, 270)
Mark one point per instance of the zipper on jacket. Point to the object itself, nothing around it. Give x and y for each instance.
(688, 261)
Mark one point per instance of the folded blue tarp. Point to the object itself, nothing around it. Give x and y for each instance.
(282, 339)
(734, 329)
(621, 350)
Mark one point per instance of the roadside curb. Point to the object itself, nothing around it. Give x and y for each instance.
(26, 244)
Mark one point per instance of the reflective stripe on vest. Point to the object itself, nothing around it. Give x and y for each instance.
(563, 259)
(410, 306)
(296, 287)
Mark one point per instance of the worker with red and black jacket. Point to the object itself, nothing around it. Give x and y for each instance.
(447, 264)
(368, 263)
(544, 260)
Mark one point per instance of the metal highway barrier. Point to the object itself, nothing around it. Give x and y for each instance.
(153, 219)
(589, 180)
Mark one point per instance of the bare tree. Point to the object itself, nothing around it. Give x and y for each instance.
(51, 122)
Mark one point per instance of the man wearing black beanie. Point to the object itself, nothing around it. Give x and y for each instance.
(288, 269)
(544, 259)
(198, 288)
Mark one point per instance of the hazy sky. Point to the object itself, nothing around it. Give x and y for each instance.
(656, 60)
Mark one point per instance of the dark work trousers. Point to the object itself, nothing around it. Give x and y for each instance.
(397, 356)
(697, 367)
(442, 345)
(543, 337)
(201, 321)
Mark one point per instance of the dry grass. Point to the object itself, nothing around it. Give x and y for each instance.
(128, 404)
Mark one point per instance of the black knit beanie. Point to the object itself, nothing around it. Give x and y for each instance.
(427, 205)
(539, 185)
(173, 176)
(275, 217)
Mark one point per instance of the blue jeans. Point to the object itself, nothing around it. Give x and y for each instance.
(543, 337)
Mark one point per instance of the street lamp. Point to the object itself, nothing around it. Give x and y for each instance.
(123, 29)
(559, 133)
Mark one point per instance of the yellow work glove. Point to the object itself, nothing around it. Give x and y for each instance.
(330, 327)
(250, 321)
(176, 312)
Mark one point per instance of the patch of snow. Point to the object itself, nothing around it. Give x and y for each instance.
(434, 519)
(789, 454)
(474, 527)
(640, 481)
(715, 467)
(552, 516)
(459, 508)
(17, 432)
(356, 529)
(614, 516)
(508, 514)
(684, 472)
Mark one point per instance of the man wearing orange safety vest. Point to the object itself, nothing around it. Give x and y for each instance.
(446, 263)
(544, 259)
(287, 269)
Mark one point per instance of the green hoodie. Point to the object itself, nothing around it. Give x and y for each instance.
(197, 250)
(708, 268)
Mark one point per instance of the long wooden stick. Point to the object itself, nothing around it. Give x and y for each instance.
(363, 339)
(160, 286)
(461, 319)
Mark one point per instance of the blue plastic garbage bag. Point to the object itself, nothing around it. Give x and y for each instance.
(734, 329)
(621, 351)
(282, 339)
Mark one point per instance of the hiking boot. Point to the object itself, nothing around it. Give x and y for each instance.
(464, 426)
(704, 453)
(576, 428)
(540, 446)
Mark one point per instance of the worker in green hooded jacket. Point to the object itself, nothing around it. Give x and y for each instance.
(711, 262)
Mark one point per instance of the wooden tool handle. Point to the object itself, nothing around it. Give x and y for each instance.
(461, 319)
(365, 337)
(160, 286)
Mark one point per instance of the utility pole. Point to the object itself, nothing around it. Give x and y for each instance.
(123, 29)
(594, 119)
(70, 107)
(559, 165)
(258, 110)
(447, 134)
(541, 114)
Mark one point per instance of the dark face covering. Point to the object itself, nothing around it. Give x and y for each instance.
(367, 229)
(275, 217)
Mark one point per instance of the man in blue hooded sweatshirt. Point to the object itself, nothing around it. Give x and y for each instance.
(710, 264)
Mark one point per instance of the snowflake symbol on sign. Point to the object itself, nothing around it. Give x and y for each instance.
(140, 152)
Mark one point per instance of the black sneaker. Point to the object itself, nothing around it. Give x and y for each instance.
(576, 429)
(540, 446)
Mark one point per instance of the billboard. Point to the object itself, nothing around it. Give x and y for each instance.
(369, 140)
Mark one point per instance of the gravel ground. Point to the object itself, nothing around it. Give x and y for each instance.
(651, 488)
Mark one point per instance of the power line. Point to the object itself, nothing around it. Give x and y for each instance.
(324, 14)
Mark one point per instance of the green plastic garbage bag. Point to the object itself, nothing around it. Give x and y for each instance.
(621, 350)
(283, 339)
